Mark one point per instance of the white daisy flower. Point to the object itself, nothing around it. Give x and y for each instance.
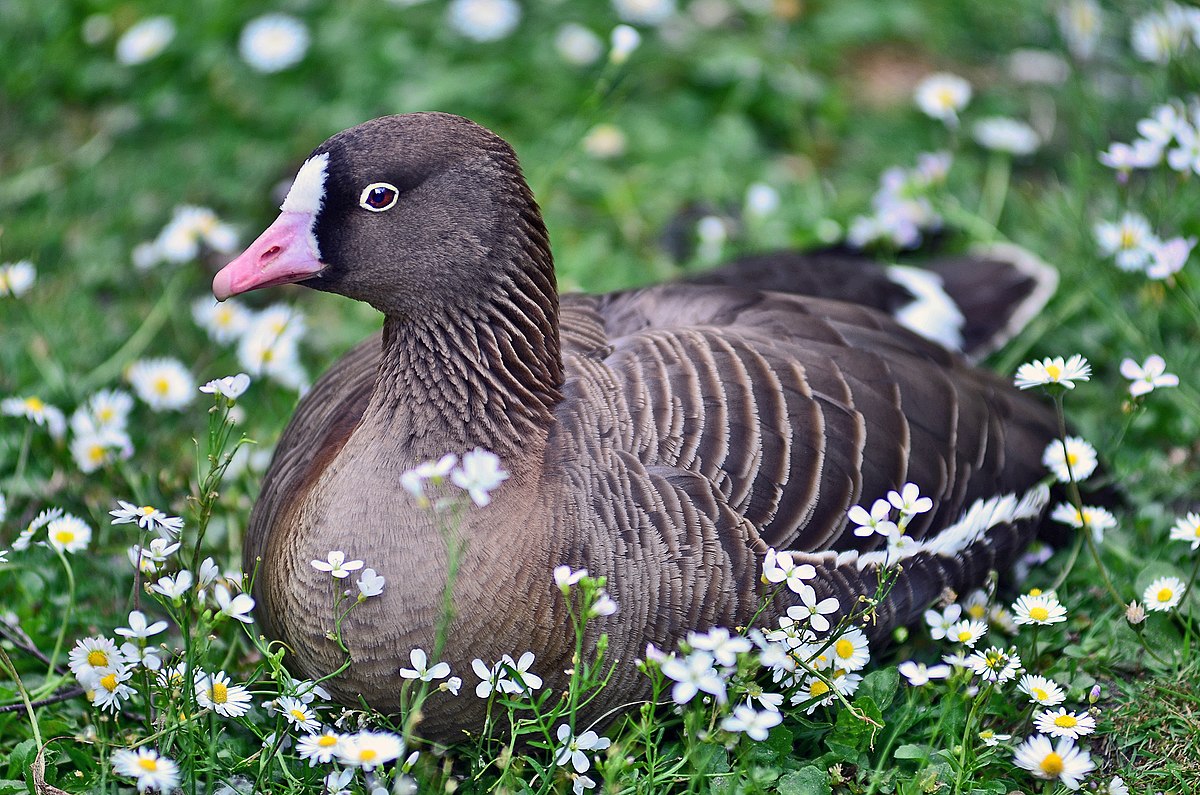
(754, 724)
(420, 671)
(851, 651)
(1041, 690)
(1187, 529)
(1080, 22)
(90, 655)
(298, 714)
(1074, 459)
(991, 739)
(918, 674)
(1039, 608)
(37, 411)
(622, 42)
(17, 278)
(479, 475)
(106, 687)
(1061, 723)
(224, 321)
(1148, 376)
(814, 691)
(577, 45)
(1115, 787)
(369, 749)
(41, 520)
(1063, 761)
(1155, 38)
(265, 349)
(693, 674)
(319, 748)
(370, 583)
(942, 95)
(180, 240)
(1130, 240)
(106, 410)
(996, 664)
(721, 644)
(162, 384)
(147, 517)
(273, 42)
(337, 565)
(68, 534)
(1004, 134)
(1163, 594)
(572, 750)
(214, 691)
(484, 20)
(1053, 370)
(145, 40)
(97, 449)
(230, 387)
(144, 764)
(1099, 520)
(967, 632)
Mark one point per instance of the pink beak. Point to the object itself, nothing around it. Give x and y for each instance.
(286, 252)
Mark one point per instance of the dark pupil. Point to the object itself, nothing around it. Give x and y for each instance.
(380, 197)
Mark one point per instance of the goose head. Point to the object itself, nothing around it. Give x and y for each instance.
(413, 214)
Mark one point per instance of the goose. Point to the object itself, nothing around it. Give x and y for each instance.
(665, 438)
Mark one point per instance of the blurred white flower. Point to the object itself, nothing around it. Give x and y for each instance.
(369, 749)
(145, 40)
(1156, 38)
(273, 42)
(180, 239)
(1078, 453)
(224, 322)
(761, 199)
(604, 142)
(484, 20)
(162, 384)
(318, 748)
(479, 475)
(755, 725)
(1167, 257)
(693, 674)
(413, 480)
(1148, 376)
(577, 45)
(623, 41)
(919, 675)
(1004, 134)
(1080, 22)
(1124, 158)
(1038, 67)
(1187, 528)
(1130, 240)
(37, 411)
(724, 646)
(17, 278)
(146, 766)
(1098, 520)
(68, 534)
(942, 95)
(94, 449)
(644, 12)
(1185, 158)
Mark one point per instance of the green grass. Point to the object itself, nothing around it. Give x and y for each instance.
(95, 156)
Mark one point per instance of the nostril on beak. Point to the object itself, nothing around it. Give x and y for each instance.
(270, 254)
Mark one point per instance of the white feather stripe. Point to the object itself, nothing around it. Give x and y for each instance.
(307, 193)
(932, 313)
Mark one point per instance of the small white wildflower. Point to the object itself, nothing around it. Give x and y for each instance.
(231, 386)
(1072, 458)
(918, 674)
(1098, 520)
(413, 480)
(693, 674)
(318, 748)
(781, 567)
(215, 692)
(37, 411)
(90, 655)
(369, 749)
(1155, 38)
(603, 606)
(1054, 370)
(17, 278)
(604, 142)
(942, 95)
(1039, 608)
(572, 750)
(68, 534)
(565, 577)
(644, 12)
(298, 714)
(223, 322)
(623, 41)
(876, 521)
(724, 646)
(151, 770)
(1167, 257)
(761, 199)
(1080, 22)
(1004, 134)
(138, 628)
(173, 587)
(162, 384)
(851, 651)
(479, 475)
(145, 40)
(1163, 594)
(107, 687)
(1063, 723)
(273, 42)
(1128, 240)
(337, 565)
(814, 611)
(235, 607)
(147, 517)
(370, 583)
(967, 632)
(1149, 376)
(995, 664)
(577, 45)
(1042, 691)
(940, 621)
(754, 724)
(420, 670)
(1187, 528)
(484, 20)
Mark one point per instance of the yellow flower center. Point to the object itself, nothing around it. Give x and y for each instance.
(1054, 371)
(224, 316)
(1072, 458)
(844, 649)
(1128, 238)
(148, 764)
(147, 510)
(1164, 594)
(299, 715)
(220, 693)
(162, 386)
(1052, 765)
(1039, 613)
(1040, 694)
(1066, 721)
(367, 754)
(97, 659)
(964, 636)
(96, 453)
(34, 404)
(65, 537)
(818, 688)
(327, 741)
(267, 355)
(945, 97)
(1196, 531)
(1035, 591)
(109, 682)
(977, 611)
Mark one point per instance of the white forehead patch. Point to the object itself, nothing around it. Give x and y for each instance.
(308, 190)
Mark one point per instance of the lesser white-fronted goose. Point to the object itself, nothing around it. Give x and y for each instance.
(662, 437)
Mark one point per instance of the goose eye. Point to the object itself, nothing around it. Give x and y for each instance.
(378, 196)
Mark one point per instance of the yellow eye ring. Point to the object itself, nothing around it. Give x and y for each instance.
(378, 196)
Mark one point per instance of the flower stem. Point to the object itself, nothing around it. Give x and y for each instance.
(66, 619)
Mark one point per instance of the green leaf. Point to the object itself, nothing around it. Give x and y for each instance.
(20, 758)
(805, 781)
(910, 751)
(880, 686)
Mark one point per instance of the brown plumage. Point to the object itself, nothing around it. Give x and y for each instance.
(662, 437)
